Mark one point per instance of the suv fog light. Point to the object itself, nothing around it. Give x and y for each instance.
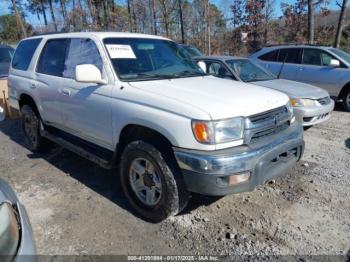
(239, 178)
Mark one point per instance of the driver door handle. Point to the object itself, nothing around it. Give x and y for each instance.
(66, 92)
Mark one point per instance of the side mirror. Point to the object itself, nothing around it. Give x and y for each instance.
(202, 65)
(89, 73)
(334, 63)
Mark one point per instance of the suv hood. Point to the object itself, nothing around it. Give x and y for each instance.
(220, 98)
(294, 89)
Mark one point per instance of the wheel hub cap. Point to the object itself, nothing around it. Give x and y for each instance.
(145, 181)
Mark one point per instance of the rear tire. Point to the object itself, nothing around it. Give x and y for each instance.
(154, 188)
(31, 128)
(346, 100)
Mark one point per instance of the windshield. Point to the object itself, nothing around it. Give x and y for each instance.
(342, 54)
(247, 71)
(138, 59)
(6, 55)
(192, 50)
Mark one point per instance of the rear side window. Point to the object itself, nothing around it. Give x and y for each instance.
(270, 56)
(52, 58)
(24, 53)
(290, 55)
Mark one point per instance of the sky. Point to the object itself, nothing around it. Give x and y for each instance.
(224, 4)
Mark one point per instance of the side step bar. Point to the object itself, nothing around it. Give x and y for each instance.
(83, 151)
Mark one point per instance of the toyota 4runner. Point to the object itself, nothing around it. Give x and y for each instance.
(139, 104)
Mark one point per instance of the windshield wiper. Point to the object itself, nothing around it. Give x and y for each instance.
(143, 76)
(259, 79)
(150, 76)
(187, 73)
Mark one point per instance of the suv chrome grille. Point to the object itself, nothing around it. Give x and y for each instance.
(324, 101)
(266, 124)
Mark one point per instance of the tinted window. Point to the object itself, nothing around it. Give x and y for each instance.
(312, 57)
(217, 69)
(52, 57)
(290, 55)
(270, 56)
(326, 59)
(24, 53)
(81, 51)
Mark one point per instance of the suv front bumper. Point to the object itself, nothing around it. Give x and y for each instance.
(208, 172)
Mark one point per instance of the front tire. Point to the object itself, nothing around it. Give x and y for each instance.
(31, 128)
(346, 100)
(154, 188)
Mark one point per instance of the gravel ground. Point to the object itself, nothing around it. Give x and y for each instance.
(76, 207)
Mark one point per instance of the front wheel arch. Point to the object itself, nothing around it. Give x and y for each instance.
(345, 89)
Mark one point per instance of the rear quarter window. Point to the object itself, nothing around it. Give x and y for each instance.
(24, 53)
(270, 56)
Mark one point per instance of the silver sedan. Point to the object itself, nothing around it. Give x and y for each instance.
(312, 105)
(16, 237)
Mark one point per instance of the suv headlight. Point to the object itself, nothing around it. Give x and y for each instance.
(217, 132)
(302, 102)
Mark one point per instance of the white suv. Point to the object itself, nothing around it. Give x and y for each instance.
(139, 103)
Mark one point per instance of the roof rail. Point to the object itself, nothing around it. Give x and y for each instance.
(292, 44)
(49, 33)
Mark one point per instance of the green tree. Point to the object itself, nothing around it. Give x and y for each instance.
(9, 32)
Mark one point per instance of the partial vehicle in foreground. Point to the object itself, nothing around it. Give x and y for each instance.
(312, 105)
(191, 50)
(16, 238)
(322, 66)
(6, 54)
(141, 102)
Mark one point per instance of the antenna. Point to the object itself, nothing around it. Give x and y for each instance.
(284, 61)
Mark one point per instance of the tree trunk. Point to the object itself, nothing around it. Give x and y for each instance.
(154, 18)
(130, 16)
(310, 16)
(63, 9)
(181, 22)
(19, 19)
(92, 13)
(43, 11)
(134, 16)
(340, 24)
(105, 14)
(53, 15)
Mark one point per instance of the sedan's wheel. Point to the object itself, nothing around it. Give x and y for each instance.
(153, 185)
(346, 100)
(31, 128)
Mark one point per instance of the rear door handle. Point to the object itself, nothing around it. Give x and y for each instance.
(301, 68)
(33, 85)
(65, 92)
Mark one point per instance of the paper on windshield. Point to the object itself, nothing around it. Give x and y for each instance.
(120, 51)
